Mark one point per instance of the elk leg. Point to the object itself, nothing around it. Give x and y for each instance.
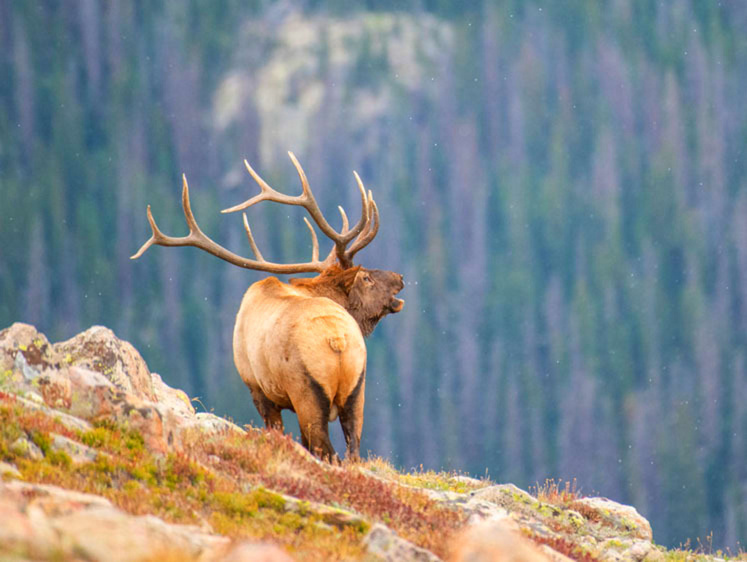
(267, 409)
(313, 420)
(351, 418)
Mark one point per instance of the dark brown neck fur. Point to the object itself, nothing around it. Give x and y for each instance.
(335, 284)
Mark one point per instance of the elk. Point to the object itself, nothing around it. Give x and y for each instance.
(299, 345)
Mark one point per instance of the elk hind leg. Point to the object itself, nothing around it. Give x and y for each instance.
(269, 411)
(351, 418)
(313, 419)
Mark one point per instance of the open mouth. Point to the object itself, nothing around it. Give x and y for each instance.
(396, 305)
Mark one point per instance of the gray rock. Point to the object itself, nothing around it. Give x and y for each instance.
(174, 399)
(25, 448)
(480, 510)
(8, 470)
(505, 495)
(384, 544)
(98, 349)
(77, 452)
(211, 423)
(624, 518)
(69, 421)
(41, 522)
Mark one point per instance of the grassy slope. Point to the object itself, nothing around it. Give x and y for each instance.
(235, 483)
(239, 485)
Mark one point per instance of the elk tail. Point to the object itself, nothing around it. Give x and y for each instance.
(338, 343)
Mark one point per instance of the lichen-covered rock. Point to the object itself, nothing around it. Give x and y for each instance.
(41, 522)
(25, 448)
(96, 376)
(624, 518)
(384, 544)
(24, 348)
(507, 496)
(173, 399)
(98, 349)
(78, 452)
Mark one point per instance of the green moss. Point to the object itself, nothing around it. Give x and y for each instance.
(145, 472)
(98, 437)
(42, 441)
(134, 441)
(59, 458)
(234, 503)
(266, 498)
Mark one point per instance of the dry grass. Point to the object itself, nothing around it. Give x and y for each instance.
(565, 547)
(420, 478)
(557, 492)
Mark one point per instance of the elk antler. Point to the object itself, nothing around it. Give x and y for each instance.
(361, 234)
(308, 202)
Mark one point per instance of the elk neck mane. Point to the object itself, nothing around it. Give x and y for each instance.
(334, 283)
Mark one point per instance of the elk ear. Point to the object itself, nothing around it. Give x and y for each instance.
(363, 278)
(349, 278)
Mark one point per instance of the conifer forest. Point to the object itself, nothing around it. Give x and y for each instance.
(563, 185)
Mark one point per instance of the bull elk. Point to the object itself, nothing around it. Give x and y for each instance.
(299, 345)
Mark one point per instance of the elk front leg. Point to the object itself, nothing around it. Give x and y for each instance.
(351, 418)
(267, 409)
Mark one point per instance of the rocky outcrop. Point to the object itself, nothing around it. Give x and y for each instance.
(590, 528)
(41, 521)
(75, 386)
(95, 376)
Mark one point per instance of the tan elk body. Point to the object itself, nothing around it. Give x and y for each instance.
(299, 345)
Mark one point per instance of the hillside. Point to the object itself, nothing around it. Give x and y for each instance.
(101, 460)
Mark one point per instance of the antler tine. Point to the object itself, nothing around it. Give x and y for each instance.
(199, 239)
(314, 241)
(345, 224)
(307, 201)
(365, 237)
(151, 240)
(342, 239)
(267, 194)
(252, 243)
(363, 222)
(160, 238)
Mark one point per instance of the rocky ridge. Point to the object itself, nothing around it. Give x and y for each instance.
(101, 460)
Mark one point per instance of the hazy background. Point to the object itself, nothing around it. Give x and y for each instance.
(561, 183)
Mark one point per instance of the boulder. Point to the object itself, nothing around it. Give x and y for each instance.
(96, 376)
(98, 349)
(623, 518)
(35, 352)
(41, 522)
(497, 540)
(384, 544)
